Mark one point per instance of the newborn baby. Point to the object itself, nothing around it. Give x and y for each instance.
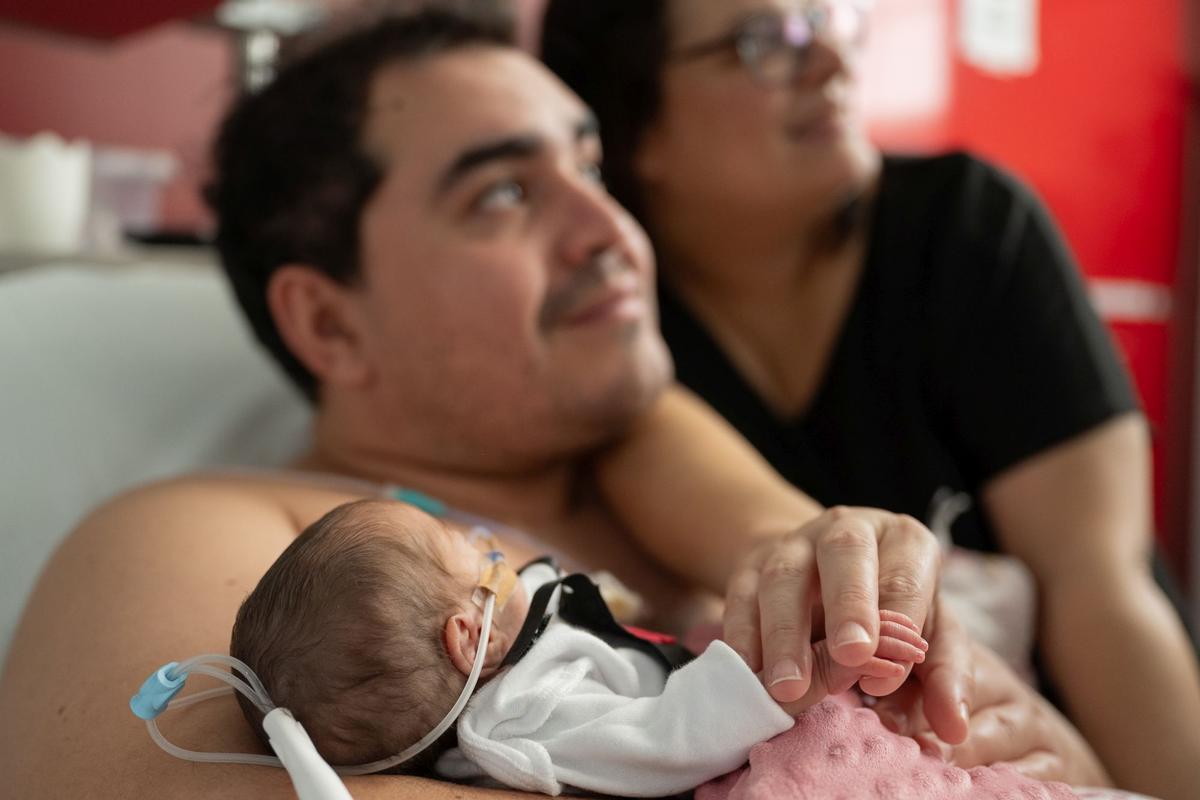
(367, 626)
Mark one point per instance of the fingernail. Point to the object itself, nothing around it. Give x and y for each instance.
(965, 711)
(851, 633)
(785, 670)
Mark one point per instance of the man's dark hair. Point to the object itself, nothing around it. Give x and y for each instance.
(611, 53)
(291, 177)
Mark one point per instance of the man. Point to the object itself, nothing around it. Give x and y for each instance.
(411, 219)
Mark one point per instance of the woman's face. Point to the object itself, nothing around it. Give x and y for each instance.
(727, 137)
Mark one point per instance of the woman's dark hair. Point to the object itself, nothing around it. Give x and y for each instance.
(290, 175)
(611, 52)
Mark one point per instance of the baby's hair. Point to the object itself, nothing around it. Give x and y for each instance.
(345, 631)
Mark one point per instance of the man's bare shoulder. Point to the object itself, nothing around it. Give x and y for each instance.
(270, 504)
(153, 575)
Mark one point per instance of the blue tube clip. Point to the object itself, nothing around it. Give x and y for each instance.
(431, 506)
(156, 692)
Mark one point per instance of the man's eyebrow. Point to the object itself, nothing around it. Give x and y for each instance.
(510, 147)
(521, 146)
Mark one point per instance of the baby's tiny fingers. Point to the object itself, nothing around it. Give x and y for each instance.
(899, 650)
(888, 615)
(904, 634)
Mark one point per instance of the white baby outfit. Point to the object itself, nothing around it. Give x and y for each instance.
(575, 711)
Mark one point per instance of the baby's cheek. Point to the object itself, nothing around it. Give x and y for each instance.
(516, 609)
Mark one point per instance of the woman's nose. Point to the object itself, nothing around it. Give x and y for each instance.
(823, 60)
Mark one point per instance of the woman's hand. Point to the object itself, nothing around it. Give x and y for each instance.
(900, 646)
(853, 562)
(1009, 722)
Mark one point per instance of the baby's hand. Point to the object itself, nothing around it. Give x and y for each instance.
(900, 645)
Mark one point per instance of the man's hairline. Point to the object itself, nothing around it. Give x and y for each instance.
(585, 126)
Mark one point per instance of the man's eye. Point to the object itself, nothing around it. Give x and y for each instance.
(502, 194)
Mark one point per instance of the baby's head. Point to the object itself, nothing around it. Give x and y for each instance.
(366, 627)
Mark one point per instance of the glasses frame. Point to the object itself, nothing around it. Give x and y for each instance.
(797, 31)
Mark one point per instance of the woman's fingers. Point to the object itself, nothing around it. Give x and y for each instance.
(786, 587)
(1005, 732)
(866, 560)
(909, 560)
(1018, 725)
(847, 559)
(1008, 722)
(871, 560)
(880, 668)
(740, 623)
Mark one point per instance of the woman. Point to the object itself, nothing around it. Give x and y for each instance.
(884, 328)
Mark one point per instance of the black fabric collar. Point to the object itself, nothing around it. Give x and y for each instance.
(581, 605)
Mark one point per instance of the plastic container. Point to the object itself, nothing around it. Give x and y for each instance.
(44, 194)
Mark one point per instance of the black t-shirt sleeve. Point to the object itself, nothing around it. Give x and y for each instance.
(1027, 363)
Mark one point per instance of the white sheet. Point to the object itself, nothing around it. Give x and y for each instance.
(113, 375)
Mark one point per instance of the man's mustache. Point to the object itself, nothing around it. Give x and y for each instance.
(582, 284)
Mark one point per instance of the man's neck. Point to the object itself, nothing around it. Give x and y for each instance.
(537, 499)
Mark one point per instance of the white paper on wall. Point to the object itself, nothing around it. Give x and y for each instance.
(1000, 36)
(905, 69)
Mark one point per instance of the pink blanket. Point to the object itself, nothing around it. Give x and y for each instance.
(839, 751)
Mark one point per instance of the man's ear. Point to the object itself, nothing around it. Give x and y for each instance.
(319, 323)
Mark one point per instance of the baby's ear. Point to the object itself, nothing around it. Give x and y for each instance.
(461, 637)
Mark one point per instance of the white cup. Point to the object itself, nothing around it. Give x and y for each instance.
(44, 194)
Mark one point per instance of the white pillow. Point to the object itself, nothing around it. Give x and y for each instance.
(114, 375)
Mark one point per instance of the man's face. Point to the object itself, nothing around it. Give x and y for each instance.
(509, 300)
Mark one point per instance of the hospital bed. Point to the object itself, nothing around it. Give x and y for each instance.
(117, 372)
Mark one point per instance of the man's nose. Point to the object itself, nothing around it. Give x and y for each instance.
(592, 223)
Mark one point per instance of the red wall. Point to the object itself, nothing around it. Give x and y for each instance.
(162, 88)
(1099, 130)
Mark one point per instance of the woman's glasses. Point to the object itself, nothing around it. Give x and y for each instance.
(774, 46)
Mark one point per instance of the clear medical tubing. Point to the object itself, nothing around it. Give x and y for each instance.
(254, 691)
(451, 715)
(251, 687)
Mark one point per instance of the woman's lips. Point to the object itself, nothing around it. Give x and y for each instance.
(825, 122)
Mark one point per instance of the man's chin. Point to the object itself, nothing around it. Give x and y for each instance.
(613, 405)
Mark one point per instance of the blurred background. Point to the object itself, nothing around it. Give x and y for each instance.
(107, 109)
